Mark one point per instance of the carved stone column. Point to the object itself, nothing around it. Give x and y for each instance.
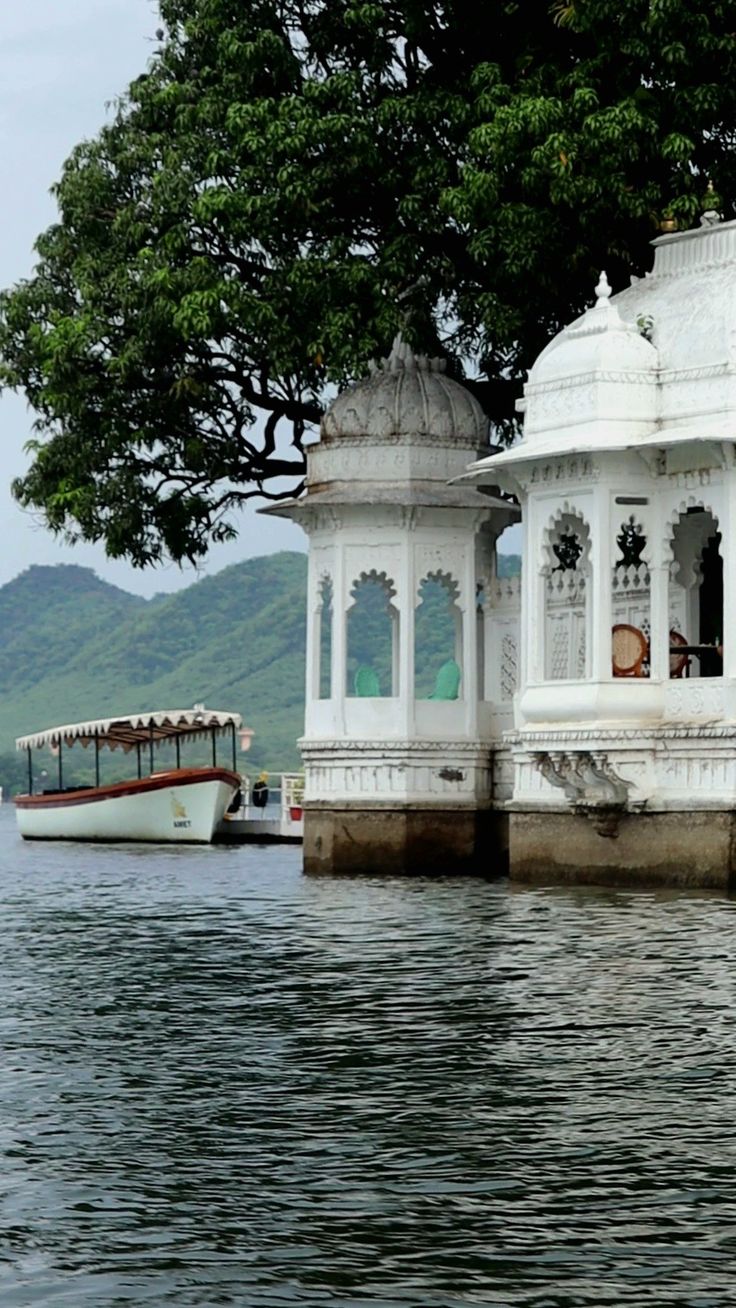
(598, 603)
(469, 665)
(340, 599)
(659, 636)
(407, 593)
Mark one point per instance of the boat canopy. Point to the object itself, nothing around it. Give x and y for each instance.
(139, 729)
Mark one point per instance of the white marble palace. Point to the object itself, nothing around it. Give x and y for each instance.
(583, 716)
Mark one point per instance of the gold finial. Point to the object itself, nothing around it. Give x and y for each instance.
(711, 199)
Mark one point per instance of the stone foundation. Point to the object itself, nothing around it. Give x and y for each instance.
(688, 850)
(409, 841)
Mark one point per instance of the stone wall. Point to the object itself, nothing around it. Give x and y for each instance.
(684, 850)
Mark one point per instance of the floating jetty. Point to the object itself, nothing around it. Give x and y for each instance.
(279, 822)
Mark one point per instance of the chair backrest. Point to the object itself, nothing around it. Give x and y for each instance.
(629, 648)
(678, 662)
(366, 683)
(447, 681)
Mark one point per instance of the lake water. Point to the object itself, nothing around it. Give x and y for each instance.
(223, 1083)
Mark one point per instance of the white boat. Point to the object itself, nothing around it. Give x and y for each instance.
(180, 805)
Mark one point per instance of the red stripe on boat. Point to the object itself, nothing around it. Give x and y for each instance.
(119, 789)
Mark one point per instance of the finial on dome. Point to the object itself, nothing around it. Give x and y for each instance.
(403, 359)
(603, 317)
(603, 291)
(401, 356)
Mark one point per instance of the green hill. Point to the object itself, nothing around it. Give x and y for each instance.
(43, 614)
(73, 646)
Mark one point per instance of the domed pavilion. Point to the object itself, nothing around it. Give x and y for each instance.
(406, 690)
(624, 747)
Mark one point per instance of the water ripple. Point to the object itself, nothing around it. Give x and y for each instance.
(224, 1084)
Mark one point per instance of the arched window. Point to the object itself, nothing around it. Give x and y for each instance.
(438, 638)
(566, 643)
(696, 594)
(630, 602)
(372, 638)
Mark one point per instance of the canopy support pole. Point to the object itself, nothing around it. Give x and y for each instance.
(150, 750)
(214, 747)
(178, 753)
(97, 762)
(234, 745)
(138, 753)
(61, 774)
(30, 771)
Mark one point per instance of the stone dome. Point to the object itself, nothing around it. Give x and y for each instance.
(601, 341)
(407, 395)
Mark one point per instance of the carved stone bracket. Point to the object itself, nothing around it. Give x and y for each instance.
(586, 777)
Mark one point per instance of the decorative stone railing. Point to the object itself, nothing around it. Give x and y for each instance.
(566, 626)
(504, 593)
(633, 577)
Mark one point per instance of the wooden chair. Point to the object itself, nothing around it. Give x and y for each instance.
(629, 648)
(679, 663)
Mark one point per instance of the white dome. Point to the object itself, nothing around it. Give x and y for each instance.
(407, 395)
(596, 380)
(653, 367)
(599, 342)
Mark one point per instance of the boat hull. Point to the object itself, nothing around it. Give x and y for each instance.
(183, 806)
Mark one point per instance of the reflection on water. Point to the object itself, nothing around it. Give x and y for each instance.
(222, 1083)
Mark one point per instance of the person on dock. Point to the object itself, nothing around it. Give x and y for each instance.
(260, 791)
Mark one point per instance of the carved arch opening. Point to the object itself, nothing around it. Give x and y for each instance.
(438, 637)
(372, 637)
(631, 597)
(566, 541)
(566, 574)
(695, 595)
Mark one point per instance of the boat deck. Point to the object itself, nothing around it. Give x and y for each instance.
(280, 822)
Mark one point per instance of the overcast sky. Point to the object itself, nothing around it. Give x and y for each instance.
(61, 63)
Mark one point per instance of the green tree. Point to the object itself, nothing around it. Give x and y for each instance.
(291, 180)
